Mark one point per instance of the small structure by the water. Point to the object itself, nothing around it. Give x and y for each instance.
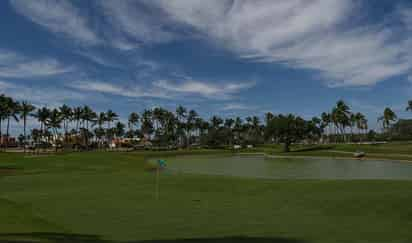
(359, 154)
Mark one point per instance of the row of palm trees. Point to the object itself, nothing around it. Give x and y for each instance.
(182, 127)
(341, 118)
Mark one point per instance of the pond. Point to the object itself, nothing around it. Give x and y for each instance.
(290, 168)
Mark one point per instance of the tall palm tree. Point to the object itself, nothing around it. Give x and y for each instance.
(361, 123)
(190, 124)
(326, 122)
(341, 117)
(352, 122)
(54, 121)
(181, 114)
(133, 120)
(100, 131)
(110, 117)
(77, 116)
(66, 115)
(146, 123)
(88, 116)
(26, 110)
(386, 119)
(12, 111)
(237, 128)
(228, 124)
(3, 113)
(42, 114)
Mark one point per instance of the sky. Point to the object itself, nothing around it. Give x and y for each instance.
(224, 57)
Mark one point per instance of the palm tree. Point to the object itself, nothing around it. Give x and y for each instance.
(66, 115)
(326, 121)
(133, 121)
(352, 122)
(99, 131)
(409, 107)
(77, 116)
(110, 117)
(361, 123)
(388, 117)
(3, 113)
(54, 122)
(12, 111)
(237, 128)
(42, 114)
(26, 110)
(181, 114)
(341, 117)
(88, 116)
(190, 124)
(147, 123)
(228, 124)
(119, 129)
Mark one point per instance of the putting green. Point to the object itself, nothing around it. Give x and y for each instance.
(290, 168)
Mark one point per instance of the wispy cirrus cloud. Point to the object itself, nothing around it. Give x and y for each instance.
(58, 16)
(237, 107)
(131, 91)
(164, 89)
(14, 65)
(223, 90)
(50, 96)
(317, 34)
(135, 23)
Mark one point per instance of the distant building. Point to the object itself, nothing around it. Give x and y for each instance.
(9, 141)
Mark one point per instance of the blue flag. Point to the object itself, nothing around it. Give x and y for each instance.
(161, 163)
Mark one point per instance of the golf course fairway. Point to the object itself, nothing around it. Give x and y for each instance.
(110, 197)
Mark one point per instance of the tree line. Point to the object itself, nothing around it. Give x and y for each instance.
(183, 127)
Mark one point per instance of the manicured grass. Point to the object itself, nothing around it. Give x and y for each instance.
(389, 151)
(92, 196)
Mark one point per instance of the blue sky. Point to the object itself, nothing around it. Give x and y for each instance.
(226, 57)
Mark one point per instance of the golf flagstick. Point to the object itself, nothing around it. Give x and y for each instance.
(157, 182)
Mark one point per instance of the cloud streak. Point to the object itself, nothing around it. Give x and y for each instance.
(57, 16)
(41, 96)
(316, 35)
(204, 89)
(14, 65)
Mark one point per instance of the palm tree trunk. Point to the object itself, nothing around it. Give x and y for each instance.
(1, 135)
(7, 132)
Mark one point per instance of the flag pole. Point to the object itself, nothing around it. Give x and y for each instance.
(157, 182)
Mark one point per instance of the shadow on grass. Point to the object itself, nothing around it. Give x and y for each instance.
(75, 238)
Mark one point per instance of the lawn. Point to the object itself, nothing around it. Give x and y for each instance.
(108, 196)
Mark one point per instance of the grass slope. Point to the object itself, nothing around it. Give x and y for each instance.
(88, 197)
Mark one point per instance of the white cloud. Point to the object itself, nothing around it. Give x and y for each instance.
(40, 96)
(164, 89)
(58, 16)
(109, 88)
(205, 89)
(236, 106)
(133, 23)
(309, 34)
(14, 65)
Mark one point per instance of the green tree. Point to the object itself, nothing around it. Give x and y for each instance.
(26, 110)
(133, 121)
(386, 119)
(67, 116)
(42, 114)
(288, 129)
